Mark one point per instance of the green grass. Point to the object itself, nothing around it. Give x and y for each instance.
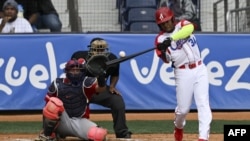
(136, 126)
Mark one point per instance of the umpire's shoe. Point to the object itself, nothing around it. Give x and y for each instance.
(125, 136)
(128, 135)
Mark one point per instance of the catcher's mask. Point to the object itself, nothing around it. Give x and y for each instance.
(98, 46)
(75, 71)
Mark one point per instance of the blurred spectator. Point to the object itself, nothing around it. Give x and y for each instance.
(48, 17)
(10, 23)
(183, 9)
(40, 13)
(30, 9)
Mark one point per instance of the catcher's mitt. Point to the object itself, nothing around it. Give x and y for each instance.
(96, 65)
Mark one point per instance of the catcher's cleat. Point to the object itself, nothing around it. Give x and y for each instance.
(178, 134)
(42, 137)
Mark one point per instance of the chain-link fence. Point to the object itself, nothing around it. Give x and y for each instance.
(105, 15)
(231, 15)
(238, 20)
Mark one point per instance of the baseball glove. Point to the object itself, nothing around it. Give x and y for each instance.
(96, 65)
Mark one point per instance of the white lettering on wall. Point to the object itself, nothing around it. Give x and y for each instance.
(234, 82)
(52, 61)
(215, 72)
(146, 75)
(15, 77)
(38, 74)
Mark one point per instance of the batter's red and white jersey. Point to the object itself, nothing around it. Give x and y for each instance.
(183, 51)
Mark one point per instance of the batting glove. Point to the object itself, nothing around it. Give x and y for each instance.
(165, 44)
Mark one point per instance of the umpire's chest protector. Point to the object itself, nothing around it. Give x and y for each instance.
(74, 100)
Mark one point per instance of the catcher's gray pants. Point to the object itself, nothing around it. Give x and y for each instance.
(74, 127)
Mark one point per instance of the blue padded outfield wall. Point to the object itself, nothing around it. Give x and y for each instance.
(29, 63)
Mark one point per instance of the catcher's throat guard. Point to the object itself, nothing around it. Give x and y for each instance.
(96, 64)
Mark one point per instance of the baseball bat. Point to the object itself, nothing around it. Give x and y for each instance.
(122, 59)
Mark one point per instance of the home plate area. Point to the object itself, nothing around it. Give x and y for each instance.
(110, 137)
(114, 139)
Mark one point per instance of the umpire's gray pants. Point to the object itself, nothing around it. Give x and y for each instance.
(74, 127)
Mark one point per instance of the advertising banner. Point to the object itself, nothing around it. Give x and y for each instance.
(30, 62)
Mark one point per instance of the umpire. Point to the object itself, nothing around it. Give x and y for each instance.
(111, 98)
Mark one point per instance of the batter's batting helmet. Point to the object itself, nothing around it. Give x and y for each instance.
(98, 46)
(163, 14)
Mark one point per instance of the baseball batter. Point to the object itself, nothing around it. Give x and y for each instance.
(176, 43)
(66, 103)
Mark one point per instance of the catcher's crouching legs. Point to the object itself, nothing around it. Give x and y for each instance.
(97, 134)
(51, 115)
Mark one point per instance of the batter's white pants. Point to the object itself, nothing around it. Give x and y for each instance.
(193, 83)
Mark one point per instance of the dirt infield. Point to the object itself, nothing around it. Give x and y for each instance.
(130, 116)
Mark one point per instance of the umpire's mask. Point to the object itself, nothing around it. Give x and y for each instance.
(98, 46)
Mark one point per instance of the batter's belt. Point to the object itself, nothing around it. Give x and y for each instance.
(190, 66)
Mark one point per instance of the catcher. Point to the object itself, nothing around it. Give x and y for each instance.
(66, 102)
(111, 97)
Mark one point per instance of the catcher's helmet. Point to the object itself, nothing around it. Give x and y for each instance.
(163, 14)
(98, 46)
(75, 78)
(74, 63)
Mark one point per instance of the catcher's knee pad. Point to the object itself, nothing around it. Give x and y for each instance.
(97, 133)
(53, 109)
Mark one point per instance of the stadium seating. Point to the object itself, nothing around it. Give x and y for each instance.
(140, 3)
(126, 5)
(144, 27)
(139, 15)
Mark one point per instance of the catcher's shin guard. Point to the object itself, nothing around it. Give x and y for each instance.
(97, 134)
(49, 126)
(51, 115)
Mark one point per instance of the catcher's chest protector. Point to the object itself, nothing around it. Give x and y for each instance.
(74, 100)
